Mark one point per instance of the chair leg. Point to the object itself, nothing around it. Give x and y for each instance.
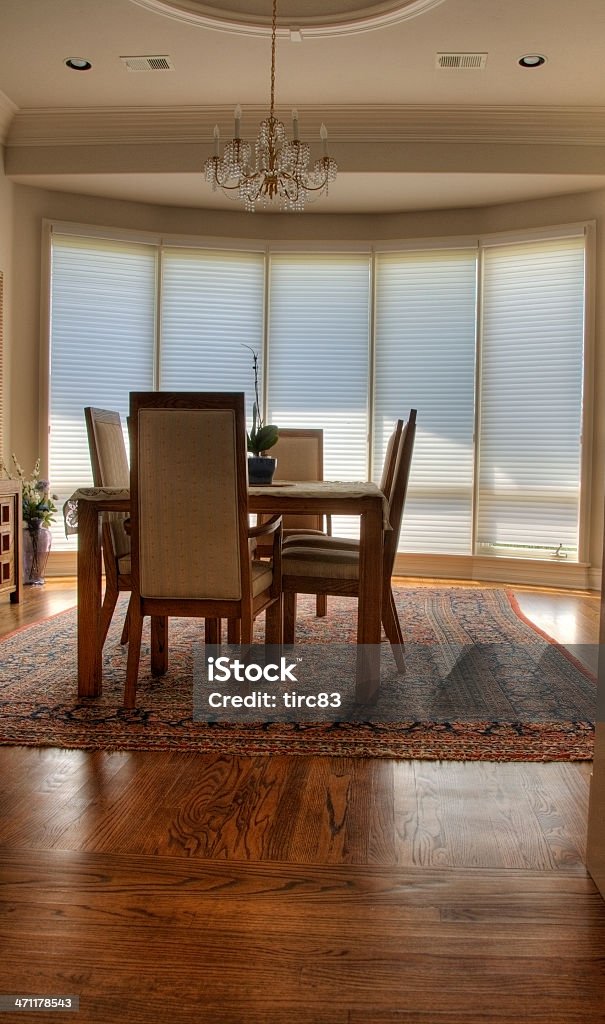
(289, 598)
(234, 631)
(321, 605)
(274, 622)
(212, 631)
(124, 637)
(246, 624)
(134, 654)
(107, 610)
(393, 608)
(392, 628)
(159, 645)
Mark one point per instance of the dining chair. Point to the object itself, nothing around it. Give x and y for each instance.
(323, 540)
(110, 468)
(299, 454)
(189, 521)
(312, 568)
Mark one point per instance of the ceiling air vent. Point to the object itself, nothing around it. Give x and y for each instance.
(461, 61)
(155, 63)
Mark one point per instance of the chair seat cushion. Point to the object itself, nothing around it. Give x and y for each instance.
(262, 574)
(266, 544)
(304, 533)
(330, 563)
(262, 577)
(321, 540)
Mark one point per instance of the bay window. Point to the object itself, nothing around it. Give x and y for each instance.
(484, 338)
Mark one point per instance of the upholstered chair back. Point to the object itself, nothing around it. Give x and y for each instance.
(188, 482)
(299, 454)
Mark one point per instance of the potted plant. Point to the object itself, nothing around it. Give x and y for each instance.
(261, 438)
(38, 513)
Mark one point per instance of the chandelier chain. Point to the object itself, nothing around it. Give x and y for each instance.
(273, 38)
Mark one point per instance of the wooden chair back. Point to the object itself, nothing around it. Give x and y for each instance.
(397, 495)
(109, 461)
(390, 458)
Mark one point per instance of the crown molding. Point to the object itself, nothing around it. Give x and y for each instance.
(329, 23)
(8, 109)
(528, 126)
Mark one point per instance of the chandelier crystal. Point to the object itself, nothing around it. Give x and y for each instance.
(279, 173)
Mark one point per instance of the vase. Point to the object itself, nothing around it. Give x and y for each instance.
(261, 469)
(36, 547)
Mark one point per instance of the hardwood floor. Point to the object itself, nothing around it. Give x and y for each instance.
(187, 888)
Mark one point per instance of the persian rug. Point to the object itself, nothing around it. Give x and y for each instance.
(480, 684)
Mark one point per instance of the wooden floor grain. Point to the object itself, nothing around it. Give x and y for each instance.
(205, 888)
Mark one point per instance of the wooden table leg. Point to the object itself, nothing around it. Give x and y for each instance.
(369, 605)
(89, 600)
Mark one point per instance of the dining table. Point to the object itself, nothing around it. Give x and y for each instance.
(87, 505)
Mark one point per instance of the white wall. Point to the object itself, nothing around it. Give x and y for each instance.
(6, 260)
(31, 206)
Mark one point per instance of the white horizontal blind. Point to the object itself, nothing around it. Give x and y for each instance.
(101, 346)
(318, 362)
(425, 359)
(531, 397)
(211, 307)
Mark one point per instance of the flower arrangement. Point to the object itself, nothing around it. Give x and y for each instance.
(263, 435)
(38, 503)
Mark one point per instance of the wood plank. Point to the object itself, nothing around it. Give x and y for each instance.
(140, 929)
(307, 810)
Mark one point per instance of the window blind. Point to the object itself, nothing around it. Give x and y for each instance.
(531, 397)
(101, 346)
(318, 356)
(211, 307)
(425, 359)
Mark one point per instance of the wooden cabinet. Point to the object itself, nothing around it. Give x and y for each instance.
(10, 539)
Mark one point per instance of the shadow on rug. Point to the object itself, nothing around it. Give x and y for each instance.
(480, 684)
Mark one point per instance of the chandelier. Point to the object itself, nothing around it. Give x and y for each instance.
(280, 172)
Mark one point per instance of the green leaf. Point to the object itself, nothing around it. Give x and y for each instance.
(263, 439)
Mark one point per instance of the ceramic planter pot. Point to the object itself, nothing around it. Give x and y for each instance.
(261, 469)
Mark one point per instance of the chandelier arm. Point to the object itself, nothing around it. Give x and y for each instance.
(300, 183)
(222, 183)
(315, 188)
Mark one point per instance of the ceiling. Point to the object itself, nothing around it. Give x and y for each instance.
(406, 134)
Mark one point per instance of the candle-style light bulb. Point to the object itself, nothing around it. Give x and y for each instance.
(217, 136)
(295, 125)
(238, 120)
(323, 132)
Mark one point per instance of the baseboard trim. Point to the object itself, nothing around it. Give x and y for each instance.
(524, 571)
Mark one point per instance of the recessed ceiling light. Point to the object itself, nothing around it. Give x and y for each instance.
(78, 64)
(532, 60)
